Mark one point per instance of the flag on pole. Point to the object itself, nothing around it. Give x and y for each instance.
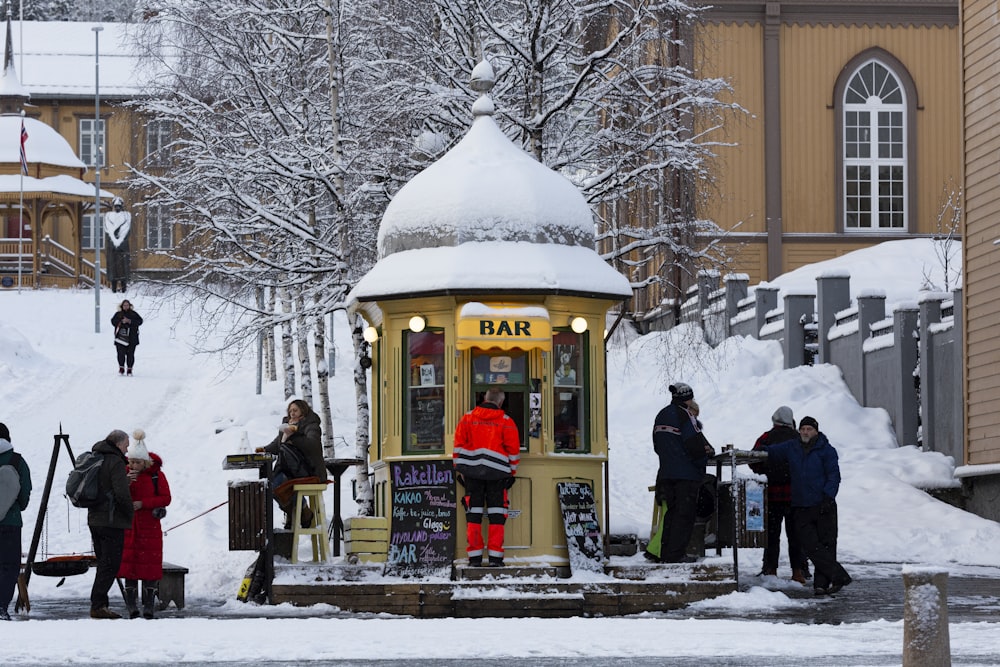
(24, 157)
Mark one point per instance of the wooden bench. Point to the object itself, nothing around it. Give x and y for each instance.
(172, 586)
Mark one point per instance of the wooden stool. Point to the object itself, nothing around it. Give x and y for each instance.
(314, 493)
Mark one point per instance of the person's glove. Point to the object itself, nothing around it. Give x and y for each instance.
(509, 482)
(460, 477)
(827, 505)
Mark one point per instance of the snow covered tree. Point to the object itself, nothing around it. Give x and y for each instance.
(248, 174)
(74, 10)
(600, 90)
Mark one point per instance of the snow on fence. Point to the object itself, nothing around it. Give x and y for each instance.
(906, 362)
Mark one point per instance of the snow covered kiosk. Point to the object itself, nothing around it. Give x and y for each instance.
(487, 275)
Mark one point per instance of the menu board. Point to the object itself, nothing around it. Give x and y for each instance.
(583, 533)
(422, 529)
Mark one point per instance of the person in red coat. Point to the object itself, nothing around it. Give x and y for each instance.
(142, 558)
(487, 452)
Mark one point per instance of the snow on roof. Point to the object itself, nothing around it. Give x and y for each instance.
(485, 189)
(62, 184)
(44, 145)
(488, 216)
(59, 59)
(492, 266)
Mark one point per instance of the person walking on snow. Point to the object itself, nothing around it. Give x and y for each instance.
(779, 499)
(815, 471)
(18, 493)
(487, 452)
(126, 323)
(142, 556)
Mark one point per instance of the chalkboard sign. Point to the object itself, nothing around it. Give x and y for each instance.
(427, 419)
(583, 533)
(422, 536)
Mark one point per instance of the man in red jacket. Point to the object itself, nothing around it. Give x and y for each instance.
(487, 451)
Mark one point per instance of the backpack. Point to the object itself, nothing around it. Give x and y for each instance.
(10, 483)
(83, 486)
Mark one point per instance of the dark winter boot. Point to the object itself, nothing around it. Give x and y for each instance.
(148, 600)
(307, 516)
(121, 370)
(129, 371)
(132, 598)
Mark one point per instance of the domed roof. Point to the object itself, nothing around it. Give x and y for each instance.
(44, 145)
(485, 189)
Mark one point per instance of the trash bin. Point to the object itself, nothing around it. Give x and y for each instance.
(247, 515)
(751, 511)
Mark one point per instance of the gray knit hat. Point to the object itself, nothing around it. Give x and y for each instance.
(681, 392)
(783, 416)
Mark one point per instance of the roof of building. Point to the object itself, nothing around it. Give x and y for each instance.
(59, 58)
(487, 216)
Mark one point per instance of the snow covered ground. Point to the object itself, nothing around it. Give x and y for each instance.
(55, 371)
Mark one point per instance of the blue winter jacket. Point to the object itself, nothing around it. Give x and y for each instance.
(815, 474)
(672, 427)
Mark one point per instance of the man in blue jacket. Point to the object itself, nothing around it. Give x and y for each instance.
(683, 452)
(815, 471)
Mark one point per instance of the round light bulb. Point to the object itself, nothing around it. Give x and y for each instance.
(417, 324)
(578, 324)
(370, 334)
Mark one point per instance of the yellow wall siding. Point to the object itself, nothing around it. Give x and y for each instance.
(812, 58)
(980, 67)
(735, 53)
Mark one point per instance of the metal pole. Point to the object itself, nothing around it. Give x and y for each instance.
(98, 229)
(20, 212)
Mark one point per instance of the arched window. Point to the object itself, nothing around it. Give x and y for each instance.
(875, 150)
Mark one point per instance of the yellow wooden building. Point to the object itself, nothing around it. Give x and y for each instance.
(981, 309)
(852, 134)
(64, 69)
(487, 276)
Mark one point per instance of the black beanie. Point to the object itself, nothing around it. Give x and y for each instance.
(4, 433)
(809, 421)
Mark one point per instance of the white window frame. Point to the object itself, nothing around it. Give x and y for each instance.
(875, 151)
(87, 141)
(158, 132)
(88, 231)
(159, 229)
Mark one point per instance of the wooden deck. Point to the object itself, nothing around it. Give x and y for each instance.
(510, 592)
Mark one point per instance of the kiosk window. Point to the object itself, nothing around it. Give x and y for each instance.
(507, 369)
(424, 400)
(568, 397)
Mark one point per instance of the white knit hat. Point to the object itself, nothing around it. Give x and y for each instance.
(137, 450)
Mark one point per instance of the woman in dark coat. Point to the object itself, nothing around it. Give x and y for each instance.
(301, 431)
(126, 323)
(142, 558)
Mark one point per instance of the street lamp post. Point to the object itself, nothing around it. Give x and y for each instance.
(96, 156)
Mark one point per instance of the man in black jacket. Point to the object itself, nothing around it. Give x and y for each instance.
(683, 452)
(109, 519)
(779, 499)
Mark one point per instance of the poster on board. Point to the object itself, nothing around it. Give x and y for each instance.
(422, 527)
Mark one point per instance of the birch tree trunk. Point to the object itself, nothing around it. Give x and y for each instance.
(287, 358)
(302, 338)
(269, 342)
(323, 387)
(365, 496)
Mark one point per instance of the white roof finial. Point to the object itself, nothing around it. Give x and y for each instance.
(482, 81)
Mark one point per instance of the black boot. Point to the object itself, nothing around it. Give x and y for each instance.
(132, 598)
(148, 599)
